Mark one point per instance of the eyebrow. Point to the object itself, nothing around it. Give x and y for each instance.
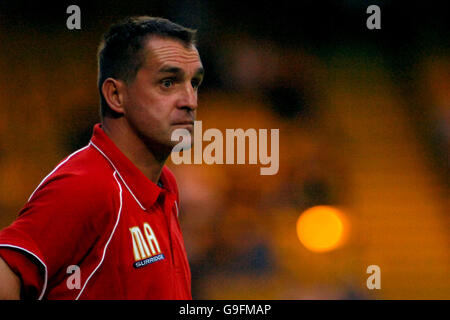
(176, 70)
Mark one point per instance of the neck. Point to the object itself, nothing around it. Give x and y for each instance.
(134, 148)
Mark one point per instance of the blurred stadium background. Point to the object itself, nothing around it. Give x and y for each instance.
(364, 119)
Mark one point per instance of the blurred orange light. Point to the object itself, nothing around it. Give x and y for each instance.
(320, 228)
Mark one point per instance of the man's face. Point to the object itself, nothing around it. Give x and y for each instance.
(163, 96)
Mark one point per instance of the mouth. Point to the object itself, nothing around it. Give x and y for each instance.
(183, 123)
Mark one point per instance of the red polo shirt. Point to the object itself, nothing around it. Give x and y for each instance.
(97, 216)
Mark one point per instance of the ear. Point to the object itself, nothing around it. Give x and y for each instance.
(113, 90)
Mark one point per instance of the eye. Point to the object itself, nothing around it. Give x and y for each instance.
(195, 83)
(167, 83)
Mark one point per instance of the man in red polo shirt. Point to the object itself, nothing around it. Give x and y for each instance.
(104, 223)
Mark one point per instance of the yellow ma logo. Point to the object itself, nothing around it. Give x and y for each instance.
(146, 249)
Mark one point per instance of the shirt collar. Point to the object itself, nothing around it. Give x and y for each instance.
(144, 191)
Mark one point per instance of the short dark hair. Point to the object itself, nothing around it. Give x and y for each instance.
(120, 53)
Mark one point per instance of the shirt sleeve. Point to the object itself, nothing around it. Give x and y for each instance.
(26, 267)
(58, 226)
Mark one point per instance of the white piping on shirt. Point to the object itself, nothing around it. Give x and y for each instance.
(110, 237)
(56, 168)
(176, 205)
(116, 172)
(44, 287)
(32, 194)
(123, 180)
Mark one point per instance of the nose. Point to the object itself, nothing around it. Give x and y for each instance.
(188, 98)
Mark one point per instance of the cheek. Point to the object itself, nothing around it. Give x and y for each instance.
(150, 116)
(140, 105)
(150, 108)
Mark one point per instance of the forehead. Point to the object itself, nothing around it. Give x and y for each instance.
(162, 51)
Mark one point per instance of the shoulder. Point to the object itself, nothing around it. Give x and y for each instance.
(71, 208)
(83, 180)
